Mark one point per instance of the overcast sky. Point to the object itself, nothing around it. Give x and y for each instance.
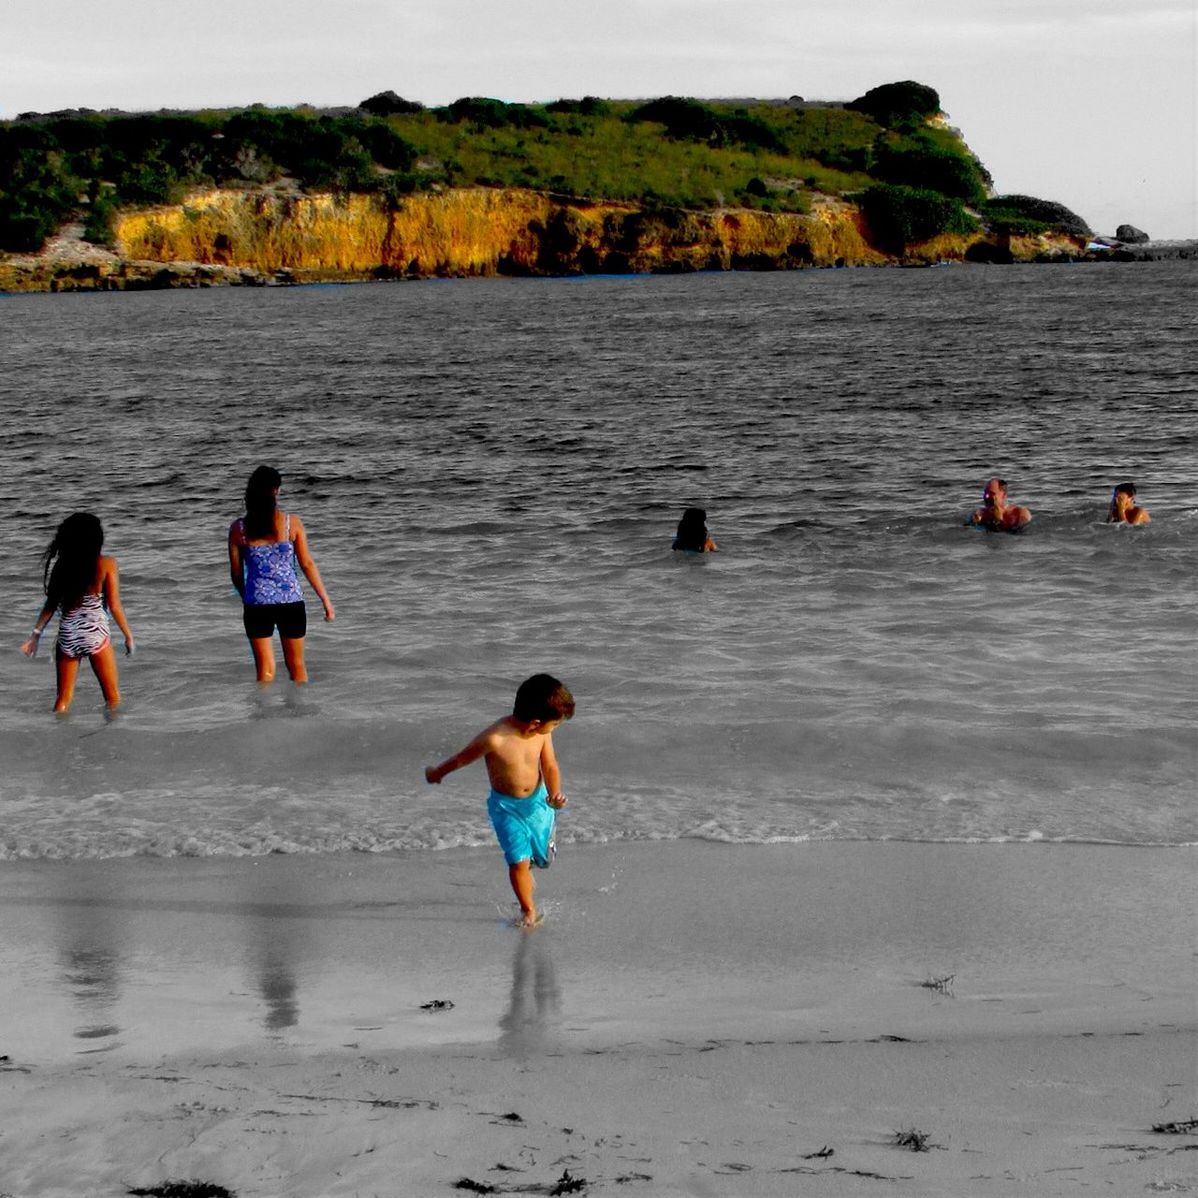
(1092, 103)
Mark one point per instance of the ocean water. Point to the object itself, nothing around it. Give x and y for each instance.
(491, 472)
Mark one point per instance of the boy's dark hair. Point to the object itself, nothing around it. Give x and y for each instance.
(543, 698)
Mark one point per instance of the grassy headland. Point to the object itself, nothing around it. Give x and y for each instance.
(600, 180)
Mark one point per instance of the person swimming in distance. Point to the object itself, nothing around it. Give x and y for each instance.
(996, 514)
(692, 535)
(1123, 509)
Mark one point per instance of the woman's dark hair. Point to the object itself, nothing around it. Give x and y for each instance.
(543, 698)
(692, 530)
(1126, 489)
(261, 502)
(70, 562)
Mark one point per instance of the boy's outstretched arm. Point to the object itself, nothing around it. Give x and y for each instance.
(551, 774)
(472, 752)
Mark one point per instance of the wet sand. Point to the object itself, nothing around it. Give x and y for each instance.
(692, 1018)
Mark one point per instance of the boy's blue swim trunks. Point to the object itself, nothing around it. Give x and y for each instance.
(524, 826)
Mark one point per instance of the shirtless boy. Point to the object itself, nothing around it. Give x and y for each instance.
(526, 784)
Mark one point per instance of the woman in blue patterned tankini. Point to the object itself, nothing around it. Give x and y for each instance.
(265, 547)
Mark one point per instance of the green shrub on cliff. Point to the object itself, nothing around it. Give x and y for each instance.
(333, 153)
(684, 118)
(485, 113)
(1026, 214)
(39, 190)
(898, 105)
(99, 223)
(587, 106)
(151, 181)
(901, 216)
(920, 161)
(389, 104)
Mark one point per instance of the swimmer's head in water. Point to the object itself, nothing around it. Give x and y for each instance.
(1123, 497)
(692, 530)
(994, 490)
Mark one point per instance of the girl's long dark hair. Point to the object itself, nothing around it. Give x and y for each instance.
(261, 502)
(72, 559)
(692, 530)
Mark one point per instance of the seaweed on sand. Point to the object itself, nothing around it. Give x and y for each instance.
(1180, 1127)
(917, 1141)
(566, 1184)
(184, 1189)
(942, 984)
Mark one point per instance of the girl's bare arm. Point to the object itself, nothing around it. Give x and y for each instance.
(29, 648)
(111, 589)
(304, 556)
(236, 568)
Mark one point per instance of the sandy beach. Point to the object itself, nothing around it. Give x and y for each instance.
(692, 1018)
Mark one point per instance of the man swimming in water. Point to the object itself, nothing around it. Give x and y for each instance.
(996, 514)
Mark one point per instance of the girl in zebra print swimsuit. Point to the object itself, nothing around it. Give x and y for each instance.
(82, 584)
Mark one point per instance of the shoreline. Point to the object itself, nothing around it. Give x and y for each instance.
(692, 1018)
(285, 239)
(38, 277)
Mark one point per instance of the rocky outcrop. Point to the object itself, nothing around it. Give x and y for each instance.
(1130, 235)
(1154, 251)
(251, 238)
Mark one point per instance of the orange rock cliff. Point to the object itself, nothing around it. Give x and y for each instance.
(256, 237)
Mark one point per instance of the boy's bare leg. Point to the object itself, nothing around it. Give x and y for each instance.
(104, 667)
(523, 884)
(293, 656)
(264, 658)
(67, 669)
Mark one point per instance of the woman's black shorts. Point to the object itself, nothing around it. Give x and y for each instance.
(261, 619)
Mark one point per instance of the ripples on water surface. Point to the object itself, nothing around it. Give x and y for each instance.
(491, 471)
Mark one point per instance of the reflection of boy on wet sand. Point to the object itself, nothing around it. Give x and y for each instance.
(525, 780)
(534, 1007)
(996, 513)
